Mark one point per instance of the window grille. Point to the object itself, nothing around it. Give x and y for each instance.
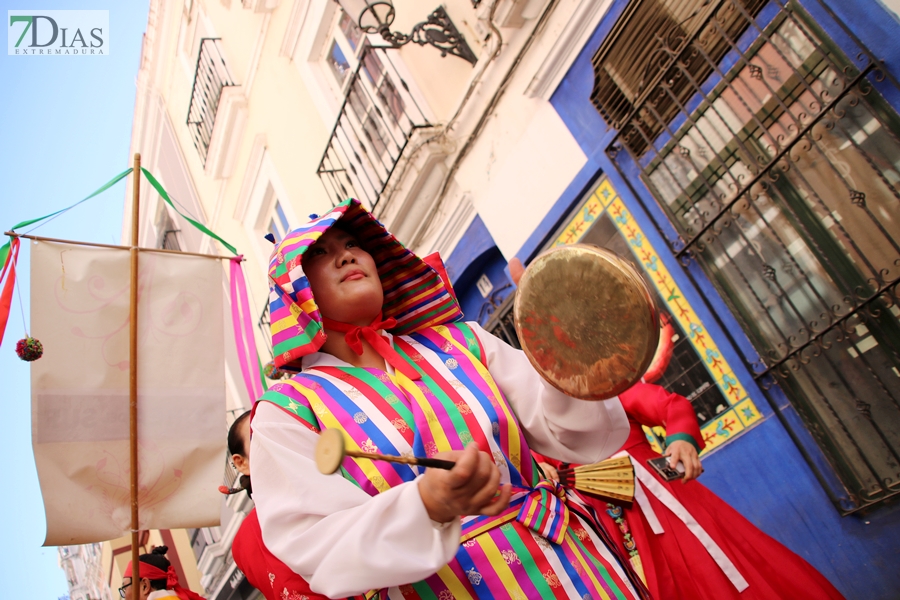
(638, 50)
(264, 324)
(210, 78)
(168, 237)
(777, 160)
(501, 321)
(374, 126)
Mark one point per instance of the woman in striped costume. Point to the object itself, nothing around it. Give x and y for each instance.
(373, 331)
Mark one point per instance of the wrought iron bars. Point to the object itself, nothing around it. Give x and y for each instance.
(264, 324)
(169, 240)
(374, 126)
(210, 78)
(777, 163)
(438, 31)
(501, 321)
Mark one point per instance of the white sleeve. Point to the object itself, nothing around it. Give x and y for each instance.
(555, 425)
(330, 532)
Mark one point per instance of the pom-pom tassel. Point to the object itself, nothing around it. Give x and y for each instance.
(272, 372)
(227, 491)
(29, 349)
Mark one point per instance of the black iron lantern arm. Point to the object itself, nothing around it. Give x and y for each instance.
(437, 31)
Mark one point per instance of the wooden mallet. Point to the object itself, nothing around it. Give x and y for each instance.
(330, 453)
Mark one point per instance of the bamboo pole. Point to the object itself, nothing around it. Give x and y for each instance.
(39, 238)
(133, 373)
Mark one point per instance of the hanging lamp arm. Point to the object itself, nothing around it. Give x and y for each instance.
(437, 31)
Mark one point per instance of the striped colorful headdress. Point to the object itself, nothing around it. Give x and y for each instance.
(414, 293)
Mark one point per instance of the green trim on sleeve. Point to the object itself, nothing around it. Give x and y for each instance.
(684, 437)
(299, 410)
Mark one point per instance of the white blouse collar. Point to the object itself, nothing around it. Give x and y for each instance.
(323, 359)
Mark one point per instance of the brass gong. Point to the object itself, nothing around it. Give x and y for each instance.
(587, 321)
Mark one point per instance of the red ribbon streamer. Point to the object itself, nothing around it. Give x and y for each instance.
(9, 271)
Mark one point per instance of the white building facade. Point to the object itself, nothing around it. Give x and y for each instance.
(84, 572)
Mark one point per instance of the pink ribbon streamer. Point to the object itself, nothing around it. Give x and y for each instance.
(243, 330)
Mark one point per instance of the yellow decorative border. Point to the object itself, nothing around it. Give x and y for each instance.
(742, 412)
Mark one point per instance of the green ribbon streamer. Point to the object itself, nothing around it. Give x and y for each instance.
(262, 373)
(4, 250)
(200, 226)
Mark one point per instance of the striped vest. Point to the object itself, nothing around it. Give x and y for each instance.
(455, 403)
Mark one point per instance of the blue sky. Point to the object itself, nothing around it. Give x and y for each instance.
(65, 128)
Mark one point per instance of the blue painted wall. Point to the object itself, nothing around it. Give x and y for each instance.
(474, 242)
(475, 255)
(762, 473)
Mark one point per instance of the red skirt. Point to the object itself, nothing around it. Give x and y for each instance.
(262, 569)
(678, 566)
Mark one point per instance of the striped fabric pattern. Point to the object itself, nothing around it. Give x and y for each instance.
(455, 403)
(545, 511)
(414, 293)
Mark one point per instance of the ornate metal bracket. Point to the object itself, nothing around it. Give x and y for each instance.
(438, 31)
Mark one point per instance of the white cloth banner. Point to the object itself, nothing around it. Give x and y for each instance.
(80, 313)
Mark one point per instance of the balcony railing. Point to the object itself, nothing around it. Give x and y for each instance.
(376, 121)
(500, 321)
(210, 78)
(169, 240)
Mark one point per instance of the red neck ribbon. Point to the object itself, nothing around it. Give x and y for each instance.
(378, 342)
